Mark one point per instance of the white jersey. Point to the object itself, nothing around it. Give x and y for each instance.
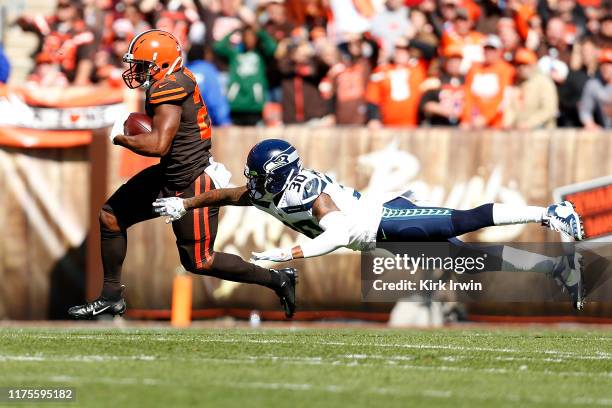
(294, 208)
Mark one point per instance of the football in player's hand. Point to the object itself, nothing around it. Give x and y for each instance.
(137, 123)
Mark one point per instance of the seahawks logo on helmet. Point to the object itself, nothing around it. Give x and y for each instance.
(280, 161)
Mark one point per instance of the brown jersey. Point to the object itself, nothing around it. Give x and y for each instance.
(190, 150)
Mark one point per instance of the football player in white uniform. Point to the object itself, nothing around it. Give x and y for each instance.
(336, 216)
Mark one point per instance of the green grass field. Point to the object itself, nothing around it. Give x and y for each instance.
(313, 367)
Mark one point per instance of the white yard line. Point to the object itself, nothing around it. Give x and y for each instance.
(67, 379)
(329, 388)
(599, 355)
(297, 360)
(407, 392)
(346, 360)
(75, 358)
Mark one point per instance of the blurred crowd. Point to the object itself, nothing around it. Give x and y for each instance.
(504, 64)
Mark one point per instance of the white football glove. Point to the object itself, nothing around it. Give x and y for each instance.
(274, 255)
(118, 127)
(171, 207)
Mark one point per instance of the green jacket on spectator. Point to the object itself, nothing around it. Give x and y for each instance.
(247, 86)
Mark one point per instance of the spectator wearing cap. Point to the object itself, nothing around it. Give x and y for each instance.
(462, 35)
(442, 103)
(66, 44)
(344, 86)
(486, 86)
(394, 92)
(247, 85)
(595, 106)
(532, 103)
(390, 25)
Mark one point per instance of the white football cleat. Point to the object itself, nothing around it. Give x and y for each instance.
(563, 218)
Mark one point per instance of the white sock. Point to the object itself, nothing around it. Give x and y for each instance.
(506, 214)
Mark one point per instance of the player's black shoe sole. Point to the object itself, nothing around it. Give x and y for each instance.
(98, 307)
(286, 292)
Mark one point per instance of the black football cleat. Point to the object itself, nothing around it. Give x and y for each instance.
(100, 306)
(286, 292)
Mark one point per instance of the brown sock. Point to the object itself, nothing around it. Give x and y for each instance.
(114, 248)
(234, 268)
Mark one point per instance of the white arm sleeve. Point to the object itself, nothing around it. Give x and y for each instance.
(336, 234)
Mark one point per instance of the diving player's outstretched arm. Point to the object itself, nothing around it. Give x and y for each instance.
(218, 198)
(175, 207)
(336, 234)
(166, 121)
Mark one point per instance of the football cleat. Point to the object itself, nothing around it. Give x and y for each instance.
(563, 218)
(568, 274)
(286, 292)
(100, 306)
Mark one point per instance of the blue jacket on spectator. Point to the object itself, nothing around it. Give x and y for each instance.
(207, 77)
(5, 67)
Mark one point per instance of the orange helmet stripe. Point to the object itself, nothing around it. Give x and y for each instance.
(135, 39)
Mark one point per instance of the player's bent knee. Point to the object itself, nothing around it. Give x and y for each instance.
(109, 221)
(202, 268)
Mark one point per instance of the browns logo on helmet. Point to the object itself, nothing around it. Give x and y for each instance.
(152, 55)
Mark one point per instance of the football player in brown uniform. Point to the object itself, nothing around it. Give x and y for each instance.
(181, 137)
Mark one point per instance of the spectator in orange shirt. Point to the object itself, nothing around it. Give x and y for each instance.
(393, 93)
(462, 35)
(486, 86)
